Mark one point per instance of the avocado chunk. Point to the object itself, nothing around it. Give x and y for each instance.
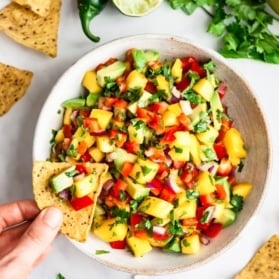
(135, 190)
(63, 180)
(141, 58)
(173, 245)
(92, 99)
(74, 103)
(111, 72)
(226, 218)
(217, 109)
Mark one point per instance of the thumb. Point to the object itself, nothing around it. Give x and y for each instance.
(38, 237)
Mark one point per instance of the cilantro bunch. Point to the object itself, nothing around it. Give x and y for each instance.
(243, 26)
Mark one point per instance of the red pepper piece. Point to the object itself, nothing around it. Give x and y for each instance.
(80, 203)
(118, 244)
(213, 230)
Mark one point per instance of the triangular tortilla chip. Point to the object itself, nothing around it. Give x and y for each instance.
(40, 7)
(30, 29)
(14, 83)
(76, 224)
(265, 263)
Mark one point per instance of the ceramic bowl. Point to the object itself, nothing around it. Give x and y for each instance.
(244, 109)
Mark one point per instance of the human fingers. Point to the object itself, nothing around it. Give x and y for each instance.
(38, 237)
(17, 212)
(9, 238)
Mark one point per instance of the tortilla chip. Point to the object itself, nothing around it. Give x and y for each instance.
(76, 224)
(14, 83)
(265, 263)
(30, 29)
(40, 7)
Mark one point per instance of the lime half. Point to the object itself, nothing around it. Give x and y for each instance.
(136, 7)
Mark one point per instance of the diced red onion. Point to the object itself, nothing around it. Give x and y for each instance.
(159, 230)
(210, 211)
(186, 107)
(211, 167)
(74, 115)
(65, 194)
(98, 133)
(171, 181)
(204, 239)
(175, 92)
(108, 184)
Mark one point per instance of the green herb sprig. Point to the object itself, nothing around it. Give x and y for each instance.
(242, 25)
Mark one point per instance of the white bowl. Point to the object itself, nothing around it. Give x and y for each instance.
(243, 107)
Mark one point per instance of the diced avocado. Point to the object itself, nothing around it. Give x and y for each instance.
(195, 116)
(63, 180)
(122, 156)
(216, 109)
(92, 99)
(152, 55)
(173, 245)
(112, 72)
(85, 185)
(227, 187)
(226, 217)
(74, 103)
(135, 190)
(143, 100)
(139, 59)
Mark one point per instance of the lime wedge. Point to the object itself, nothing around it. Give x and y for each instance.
(136, 7)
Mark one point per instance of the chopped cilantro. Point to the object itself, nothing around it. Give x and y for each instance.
(237, 203)
(100, 252)
(60, 276)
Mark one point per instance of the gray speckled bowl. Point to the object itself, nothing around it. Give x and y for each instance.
(243, 107)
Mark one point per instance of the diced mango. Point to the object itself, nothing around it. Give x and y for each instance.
(155, 207)
(185, 210)
(182, 138)
(111, 230)
(144, 171)
(59, 137)
(138, 246)
(104, 144)
(103, 117)
(205, 183)
(208, 137)
(180, 154)
(190, 244)
(176, 70)
(169, 118)
(242, 189)
(67, 116)
(195, 150)
(205, 88)
(136, 79)
(175, 108)
(85, 185)
(234, 145)
(90, 82)
(96, 154)
(163, 84)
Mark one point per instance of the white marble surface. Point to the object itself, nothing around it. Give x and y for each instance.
(17, 128)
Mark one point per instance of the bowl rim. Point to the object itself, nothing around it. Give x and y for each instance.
(212, 53)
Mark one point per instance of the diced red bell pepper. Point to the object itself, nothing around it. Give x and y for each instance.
(155, 186)
(169, 136)
(109, 102)
(127, 168)
(160, 237)
(67, 131)
(121, 82)
(150, 87)
(196, 67)
(145, 114)
(220, 191)
(140, 233)
(158, 107)
(92, 124)
(207, 200)
(156, 123)
(189, 175)
(183, 84)
(86, 157)
(184, 120)
(81, 168)
(213, 230)
(220, 150)
(119, 187)
(167, 194)
(80, 203)
(120, 103)
(135, 219)
(118, 244)
(131, 147)
(222, 89)
(118, 137)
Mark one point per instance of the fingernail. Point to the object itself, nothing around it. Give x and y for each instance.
(52, 217)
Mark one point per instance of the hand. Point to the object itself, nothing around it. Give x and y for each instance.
(26, 235)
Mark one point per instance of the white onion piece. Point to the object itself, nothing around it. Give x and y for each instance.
(208, 213)
(186, 107)
(74, 115)
(111, 156)
(159, 230)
